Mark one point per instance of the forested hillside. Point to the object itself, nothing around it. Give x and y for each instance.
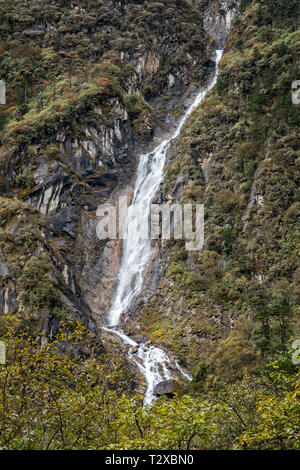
(90, 86)
(238, 155)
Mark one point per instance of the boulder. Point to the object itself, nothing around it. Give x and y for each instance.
(168, 388)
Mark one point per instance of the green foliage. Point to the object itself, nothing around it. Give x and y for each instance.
(244, 4)
(239, 154)
(68, 394)
(273, 311)
(139, 112)
(38, 286)
(59, 395)
(221, 86)
(278, 427)
(71, 59)
(25, 179)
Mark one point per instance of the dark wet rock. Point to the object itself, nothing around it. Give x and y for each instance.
(169, 388)
(140, 338)
(103, 179)
(64, 222)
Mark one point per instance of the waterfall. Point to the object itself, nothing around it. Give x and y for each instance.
(137, 251)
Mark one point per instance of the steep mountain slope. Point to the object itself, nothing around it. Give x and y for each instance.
(71, 132)
(239, 156)
(94, 84)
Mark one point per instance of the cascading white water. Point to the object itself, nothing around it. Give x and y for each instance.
(137, 250)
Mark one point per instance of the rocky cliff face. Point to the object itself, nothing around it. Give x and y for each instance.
(219, 18)
(238, 154)
(160, 302)
(59, 164)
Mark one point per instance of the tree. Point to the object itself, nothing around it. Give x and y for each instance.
(273, 308)
(59, 394)
(278, 410)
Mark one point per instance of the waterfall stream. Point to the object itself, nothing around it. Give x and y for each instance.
(137, 250)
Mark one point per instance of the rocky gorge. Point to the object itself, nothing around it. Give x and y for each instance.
(68, 177)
